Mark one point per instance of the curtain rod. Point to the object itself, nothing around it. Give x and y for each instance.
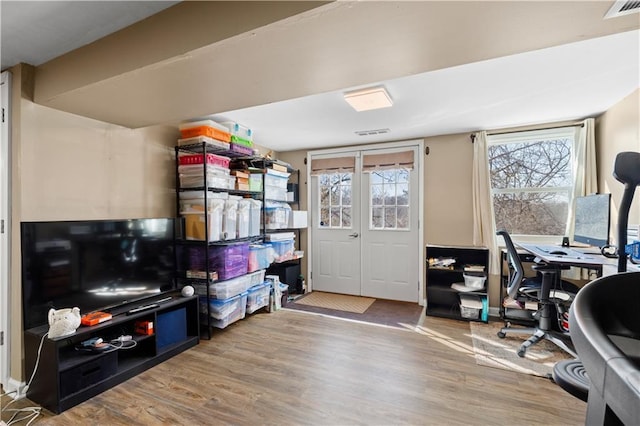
(537, 128)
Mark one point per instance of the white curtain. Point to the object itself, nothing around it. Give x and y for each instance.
(484, 228)
(585, 180)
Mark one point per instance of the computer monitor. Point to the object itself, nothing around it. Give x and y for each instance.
(593, 214)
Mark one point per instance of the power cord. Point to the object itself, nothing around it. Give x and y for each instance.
(123, 342)
(32, 413)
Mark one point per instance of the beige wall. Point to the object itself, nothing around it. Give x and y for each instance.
(618, 130)
(70, 167)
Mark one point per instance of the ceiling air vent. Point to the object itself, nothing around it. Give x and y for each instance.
(623, 7)
(372, 132)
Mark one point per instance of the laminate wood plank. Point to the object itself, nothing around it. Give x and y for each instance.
(292, 367)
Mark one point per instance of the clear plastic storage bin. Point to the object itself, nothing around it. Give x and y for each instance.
(259, 257)
(224, 312)
(283, 250)
(230, 219)
(227, 288)
(276, 215)
(258, 297)
(244, 217)
(254, 217)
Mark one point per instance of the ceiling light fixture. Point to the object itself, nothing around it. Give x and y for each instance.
(368, 99)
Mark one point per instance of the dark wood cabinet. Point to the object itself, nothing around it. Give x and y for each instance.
(65, 375)
(457, 282)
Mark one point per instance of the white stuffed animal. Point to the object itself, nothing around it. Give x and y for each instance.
(63, 322)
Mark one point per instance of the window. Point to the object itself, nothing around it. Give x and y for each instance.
(531, 180)
(389, 195)
(335, 200)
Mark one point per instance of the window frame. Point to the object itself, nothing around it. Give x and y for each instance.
(524, 136)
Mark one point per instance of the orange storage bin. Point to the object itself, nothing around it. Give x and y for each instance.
(210, 132)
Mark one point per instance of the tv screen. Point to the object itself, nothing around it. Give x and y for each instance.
(94, 265)
(591, 225)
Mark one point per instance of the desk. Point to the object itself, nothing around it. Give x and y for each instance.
(577, 258)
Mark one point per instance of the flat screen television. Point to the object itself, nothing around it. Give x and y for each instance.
(96, 265)
(592, 219)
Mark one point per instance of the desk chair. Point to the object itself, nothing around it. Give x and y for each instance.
(539, 291)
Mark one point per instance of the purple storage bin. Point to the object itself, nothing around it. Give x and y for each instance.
(228, 261)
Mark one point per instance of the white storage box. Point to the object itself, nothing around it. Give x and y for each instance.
(298, 219)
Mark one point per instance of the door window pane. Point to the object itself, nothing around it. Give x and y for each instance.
(335, 194)
(389, 188)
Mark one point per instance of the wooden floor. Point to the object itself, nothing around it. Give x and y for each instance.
(292, 367)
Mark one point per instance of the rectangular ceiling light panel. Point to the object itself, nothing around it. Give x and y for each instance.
(368, 99)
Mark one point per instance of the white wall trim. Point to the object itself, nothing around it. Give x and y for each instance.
(5, 237)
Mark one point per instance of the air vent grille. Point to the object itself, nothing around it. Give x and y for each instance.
(372, 132)
(623, 7)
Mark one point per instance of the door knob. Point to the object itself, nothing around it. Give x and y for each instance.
(354, 235)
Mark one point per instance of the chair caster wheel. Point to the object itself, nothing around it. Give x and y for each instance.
(502, 334)
(521, 352)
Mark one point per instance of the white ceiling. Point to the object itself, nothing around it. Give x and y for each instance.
(566, 82)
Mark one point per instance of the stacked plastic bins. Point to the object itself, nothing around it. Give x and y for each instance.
(208, 131)
(192, 172)
(241, 137)
(275, 185)
(227, 298)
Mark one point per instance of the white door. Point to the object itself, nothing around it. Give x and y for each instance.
(365, 230)
(5, 230)
(336, 229)
(390, 236)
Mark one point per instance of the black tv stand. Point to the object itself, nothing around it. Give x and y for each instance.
(66, 377)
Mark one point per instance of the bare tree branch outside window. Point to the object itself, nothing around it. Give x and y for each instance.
(531, 184)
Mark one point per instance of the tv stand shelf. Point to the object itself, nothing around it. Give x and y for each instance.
(66, 377)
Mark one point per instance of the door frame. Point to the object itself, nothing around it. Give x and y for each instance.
(5, 234)
(420, 252)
